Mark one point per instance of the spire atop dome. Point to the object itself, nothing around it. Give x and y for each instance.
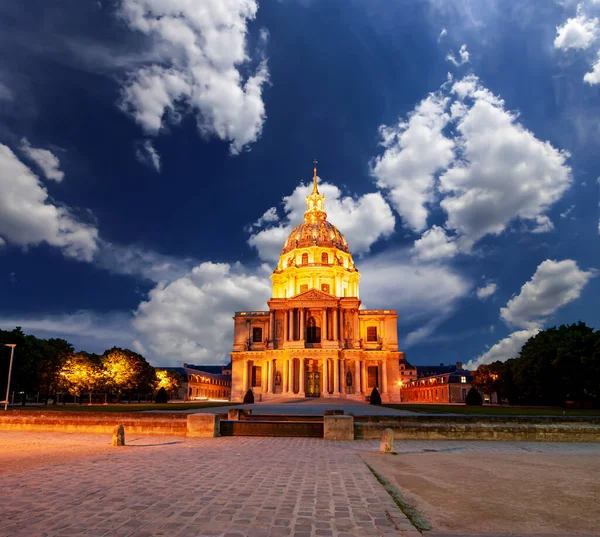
(315, 190)
(315, 203)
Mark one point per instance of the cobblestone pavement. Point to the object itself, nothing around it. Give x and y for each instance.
(233, 487)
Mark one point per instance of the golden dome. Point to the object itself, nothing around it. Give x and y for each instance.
(319, 233)
(315, 230)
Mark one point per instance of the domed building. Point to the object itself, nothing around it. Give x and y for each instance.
(315, 341)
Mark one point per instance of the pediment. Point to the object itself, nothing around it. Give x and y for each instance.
(314, 295)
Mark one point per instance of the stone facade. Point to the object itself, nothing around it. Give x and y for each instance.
(314, 340)
(451, 387)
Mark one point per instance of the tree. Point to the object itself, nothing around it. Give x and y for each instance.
(161, 396)
(169, 380)
(486, 379)
(126, 371)
(81, 373)
(473, 398)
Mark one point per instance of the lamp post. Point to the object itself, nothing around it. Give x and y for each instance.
(400, 383)
(12, 352)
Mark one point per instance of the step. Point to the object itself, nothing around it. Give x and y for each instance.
(281, 417)
(272, 428)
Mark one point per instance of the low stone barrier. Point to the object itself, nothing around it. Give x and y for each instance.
(338, 427)
(514, 432)
(93, 422)
(203, 425)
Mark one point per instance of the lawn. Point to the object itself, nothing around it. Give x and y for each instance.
(133, 407)
(494, 410)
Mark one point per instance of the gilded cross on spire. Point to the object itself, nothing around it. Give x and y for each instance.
(315, 177)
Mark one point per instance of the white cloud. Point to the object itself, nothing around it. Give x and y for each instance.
(502, 171)
(362, 220)
(434, 245)
(190, 319)
(593, 77)
(5, 93)
(28, 217)
(577, 33)
(443, 34)
(423, 295)
(415, 150)
(554, 284)
(464, 57)
(505, 349)
(204, 50)
(146, 154)
(567, 212)
(46, 160)
(543, 224)
(269, 216)
(486, 291)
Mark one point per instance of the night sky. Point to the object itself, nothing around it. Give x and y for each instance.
(155, 154)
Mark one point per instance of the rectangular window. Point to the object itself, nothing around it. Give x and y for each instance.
(256, 335)
(325, 287)
(256, 376)
(373, 376)
(463, 379)
(304, 288)
(372, 333)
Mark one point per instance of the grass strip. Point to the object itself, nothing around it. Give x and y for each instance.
(411, 512)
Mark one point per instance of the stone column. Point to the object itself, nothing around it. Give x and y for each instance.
(263, 376)
(291, 376)
(268, 376)
(356, 328)
(285, 377)
(291, 324)
(336, 377)
(384, 375)
(324, 331)
(271, 325)
(357, 382)
(302, 336)
(336, 335)
(325, 387)
(301, 392)
(363, 378)
(286, 335)
(272, 377)
(343, 387)
(245, 376)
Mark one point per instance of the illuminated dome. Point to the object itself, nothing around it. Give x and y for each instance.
(319, 233)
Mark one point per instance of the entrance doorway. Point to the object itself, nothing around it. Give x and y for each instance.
(373, 376)
(313, 384)
(313, 332)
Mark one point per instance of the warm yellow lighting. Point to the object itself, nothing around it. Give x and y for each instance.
(400, 383)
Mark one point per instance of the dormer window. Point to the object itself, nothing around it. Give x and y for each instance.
(324, 258)
(305, 259)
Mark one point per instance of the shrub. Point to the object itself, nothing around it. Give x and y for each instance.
(161, 396)
(474, 398)
(375, 398)
(249, 397)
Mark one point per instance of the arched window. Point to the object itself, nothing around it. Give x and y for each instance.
(349, 378)
(305, 259)
(324, 258)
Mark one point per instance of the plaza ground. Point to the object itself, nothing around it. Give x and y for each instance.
(75, 484)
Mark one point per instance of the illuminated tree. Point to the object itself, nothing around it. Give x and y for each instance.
(126, 371)
(486, 379)
(169, 380)
(81, 374)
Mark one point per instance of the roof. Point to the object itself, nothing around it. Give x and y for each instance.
(432, 370)
(214, 369)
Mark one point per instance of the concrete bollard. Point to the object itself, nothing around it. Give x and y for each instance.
(338, 427)
(387, 441)
(118, 437)
(203, 425)
(233, 414)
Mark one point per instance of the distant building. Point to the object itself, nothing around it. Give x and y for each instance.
(408, 372)
(447, 384)
(202, 382)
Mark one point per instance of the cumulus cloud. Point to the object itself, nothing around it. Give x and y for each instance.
(190, 319)
(362, 220)
(415, 150)
(146, 154)
(593, 77)
(577, 32)
(205, 68)
(543, 224)
(463, 54)
(46, 160)
(554, 284)
(28, 217)
(502, 170)
(5, 93)
(486, 291)
(434, 245)
(424, 295)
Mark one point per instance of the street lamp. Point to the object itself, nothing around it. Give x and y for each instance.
(400, 383)
(12, 352)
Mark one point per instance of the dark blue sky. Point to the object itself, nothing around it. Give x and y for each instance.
(159, 256)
